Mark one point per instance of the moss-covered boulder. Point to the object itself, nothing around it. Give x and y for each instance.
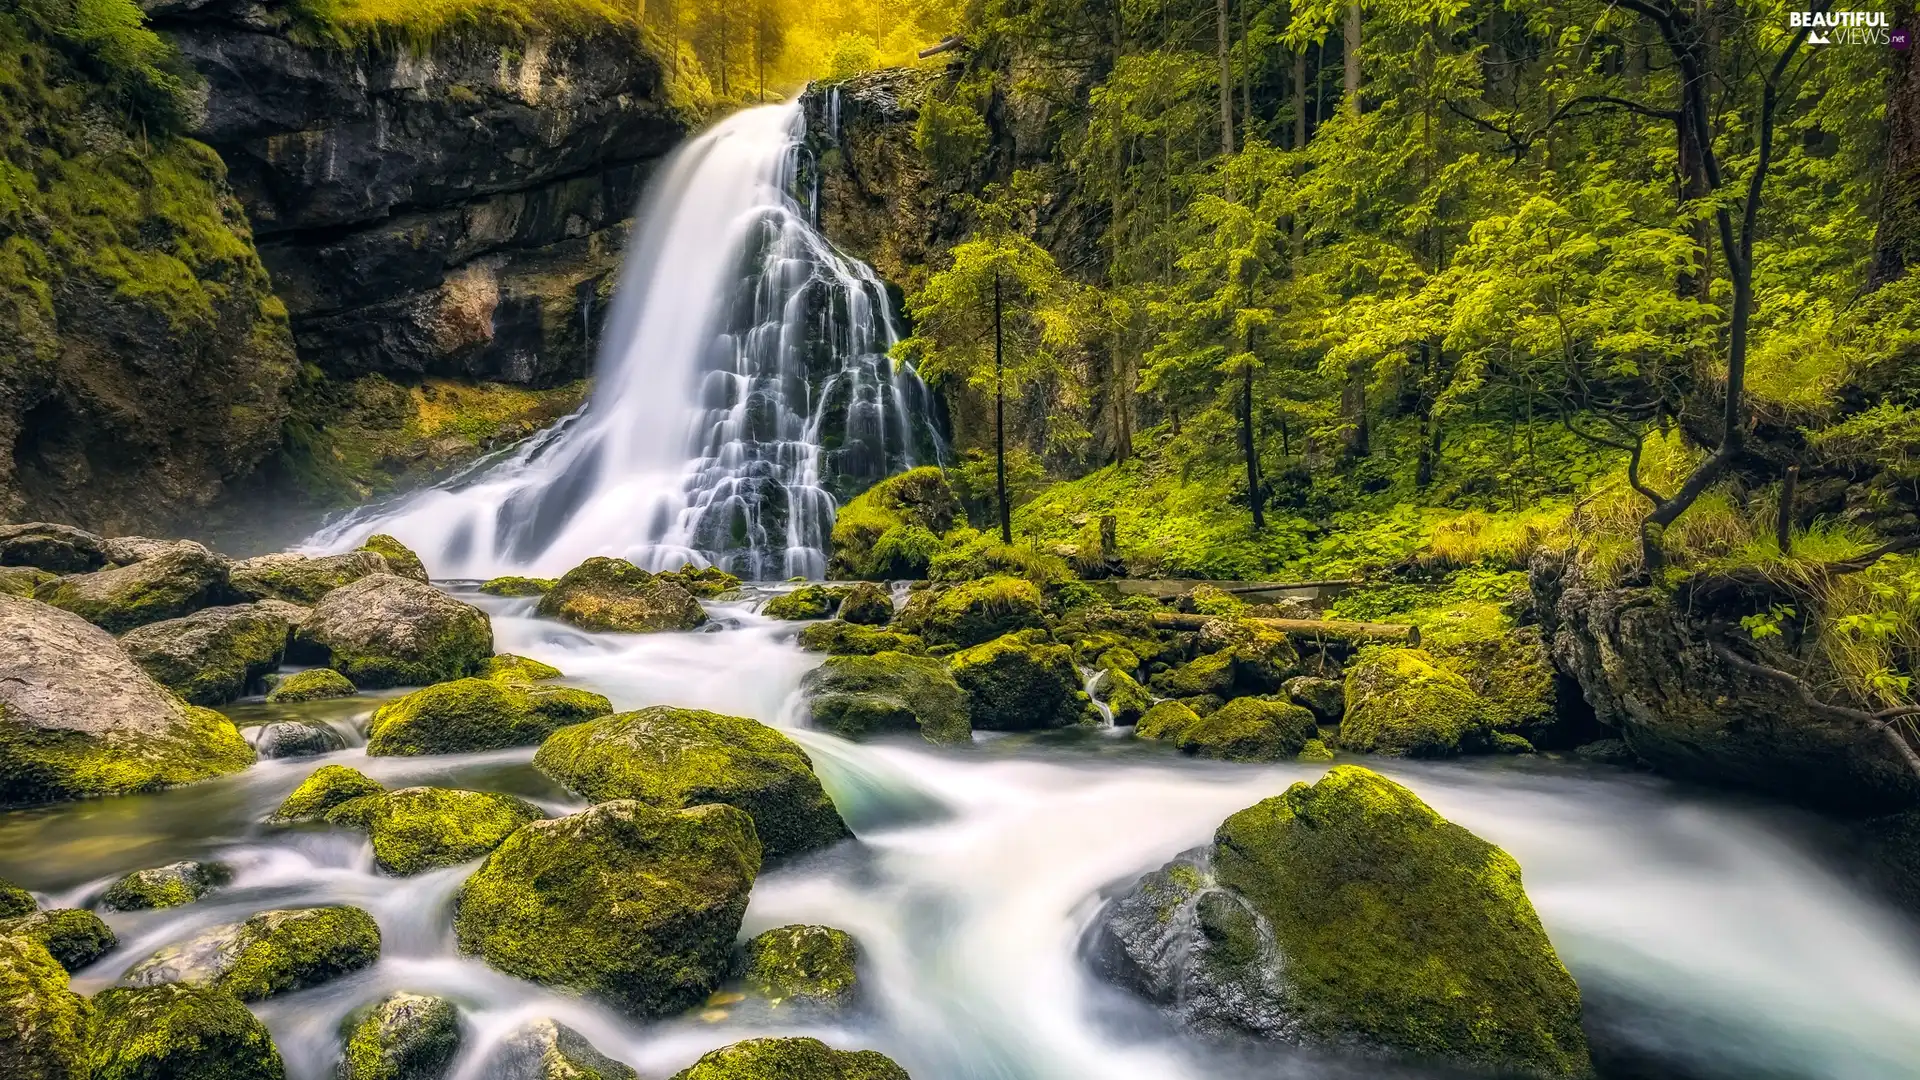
(402, 1036)
(1166, 721)
(518, 586)
(273, 952)
(972, 612)
(179, 582)
(1013, 684)
(1314, 751)
(424, 828)
(400, 558)
(791, 1059)
(839, 638)
(613, 595)
(506, 667)
(468, 715)
(328, 787)
(669, 758)
(15, 900)
(632, 905)
(1237, 657)
(165, 886)
(386, 630)
(805, 602)
(1347, 914)
(45, 1028)
(44, 545)
(858, 696)
(816, 966)
(22, 580)
(866, 604)
(313, 684)
(546, 1050)
(1207, 675)
(79, 718)
(303, 579)
(73, 937)
(1325, 698)
(892, 529)
(705, 582)
(1244, 729)
(1514, 677)
(179, 1032)
(213, 655)
(1400, 701)
(1124, 697)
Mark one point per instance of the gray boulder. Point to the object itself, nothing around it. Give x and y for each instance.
(303, 579)
(213, 655)
(545, 1050)
(292, 738)
(273, 952)
(386, 630)
(62, 549)
(178, 581)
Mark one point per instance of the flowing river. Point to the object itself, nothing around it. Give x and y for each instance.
(1707, 936)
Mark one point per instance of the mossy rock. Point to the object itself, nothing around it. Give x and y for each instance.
(15, 900)
(791, 1059)
(303, 579)
(1017, 685)
(293, 738)
(1166, 721)
(214, 655)
(179, 1033)
(313, 684)
(858, 696)
(400, 558)
(892, 529)
(273, 952)
(23, 580)
(506, 667)
(1399, 929)
(165, 886)
(1123, 696)
(469, 715)
(634, 906)
(386, 630)
(423, 828)
(1211, 675)
(1238, 657)
(669, 758)
(838, 638)
(1244, 729)
(45, 1028)
(817, 966)
(805, 602)
(972, 612)
(403, 1036)
(866, 604)
(1400, 701)
(185, 579)
(613, 595)
(328, 787)
(1325, 698)
(1514, 677)
(705, 583)
(518, 586)
(1314, 751)
(73, 937)
(51, 547)
(545, 1050)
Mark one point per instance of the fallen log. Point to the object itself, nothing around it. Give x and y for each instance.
(948, 44)
(1335, 629)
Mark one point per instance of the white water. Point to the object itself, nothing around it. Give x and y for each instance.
(742, 377)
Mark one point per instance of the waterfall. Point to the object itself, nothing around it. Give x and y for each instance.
(743, 388)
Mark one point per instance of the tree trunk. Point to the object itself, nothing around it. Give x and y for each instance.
(1896, 245)
(1783, 521)
(1226, 78)
(1350, 46)
(1299, 99)
(1247, 444)
(1000, 421)
(1246, 79)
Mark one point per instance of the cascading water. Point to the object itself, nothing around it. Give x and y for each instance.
(743, 386)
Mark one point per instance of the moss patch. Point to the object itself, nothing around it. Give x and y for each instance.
(812, 965)
(1244, 729)
(856, 696)
(850, 639)
(15, 900)
(157, 1032)
(73, 937)
(423, 828)
(973, 612)
(328, 787)
(401, 1037)
(1016, 685)
(314, 684)
(400, 558)
(892, 529)
(613, 595)
(506, 667)
(867, 604)
(469, 715)
(805, 602)
(791, 1059)
(1400, 701)
(518, 586)
(45, 1028)
(273, 952)
(165, 886)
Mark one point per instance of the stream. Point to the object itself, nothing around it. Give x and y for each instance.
(1707, 936)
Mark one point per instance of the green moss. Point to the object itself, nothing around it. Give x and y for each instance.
(518, 586)
(670, 758)
(1209, 600)
(1462, 969)
(812, 965)
(328, 787)
(45, 1028)
(805, 602)
(314, 684)
(73, 937)
(1244, 729)
(968, 555)
(166, 586)
(1325, 698)
(857, 696)
(631, 905)
(1314, 750)
(273, 952)
(468, 715)
(867, 604)
(400, 558)
(791, 1059)
(424, 828)
(1016, 685)
(850, 639)
(507, 667)
(449, 643)
(299, 579)
(1505, 743)
(401, 1037)
(1167, 721)
(909, 510)
(1400, 701)
(1128, 700)
(1513, 676)
(613, 595)
(168, 1032)
(15, 900)
(213, 656)
(48, 765)
(973, 612)
(706, 582)
(23, 580)
(1211, 674)
(165, 886)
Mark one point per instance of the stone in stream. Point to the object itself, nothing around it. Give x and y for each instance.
(805, 602)
(1325, 698)
(328, 787)
(313, 684)
(302, 579)
(630, 905)
(670, 758)
(60, 549)
(15, 900)
(270, 953)
(1401, 701)
(212, 656)
(293, 738)
(384, 630)
(791, 1059)
(809, 965)
(82, 719)
(75, 938)
(179, 581)
(400, 558)
(1125, 697)
(468, 715)
(867, 604)
(706, 582)
(403, 1036)
(1244, 729)
(840, 638)
(857, 696)
(613, 595)
(423, 828)
(45, 1028)
(517, 586)
(510, 668)
(165, 886)
(972, 612)
(178, 1032)
(1348, 915)
(1013, 684)
(545, 1050)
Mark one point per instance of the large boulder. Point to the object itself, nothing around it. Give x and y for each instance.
(385, 630)
(302, 579)
(213, 655)
(867, 604)
(816, 966)
(1325, 698)
(893, 529)
(791, 1059)
(857, 696)
(179, 581)
(467, 715)
(840, 638)
(1244, 729)
(273, 952)
(546, 1050)
(670, 758)
(634, 906)
(423, 828)
(1402, 701)
(972, 612)
(1347, 914)
(23, 580)
(176, 1032)
(45, 1028)
(165, 886)
(805, 602)
(402, 1036)
(79, 718)
(72, 936)
(1013, 684)
(328, 787)
(61, 549)
(613, 595)
(400, 558)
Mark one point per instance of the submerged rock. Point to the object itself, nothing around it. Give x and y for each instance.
(182, 580)
(73, 937)
(45, 1028)
(165, 886)
(400, 558)
(328, 787)
(517, 586)
(972, 612)
(791, 1059)
(44, 545)
(1244, 729)
(805, 602)
(546, 1050)
(856, 696)
(810, 965)
(841, 638)
(1017, 685)
(82, 719)
(670, 758)
(385, 630)
(605, 595)
(867, 604)
(423, 828)
(213, 655)
(303, 579)
(179, 1032)
(271, 953)
(631, 905)
(468, 715)
(1400, 701)
(401, 1037)
(313, 684)
(293, 738)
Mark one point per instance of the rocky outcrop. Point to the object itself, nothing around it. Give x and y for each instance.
(878, 196)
